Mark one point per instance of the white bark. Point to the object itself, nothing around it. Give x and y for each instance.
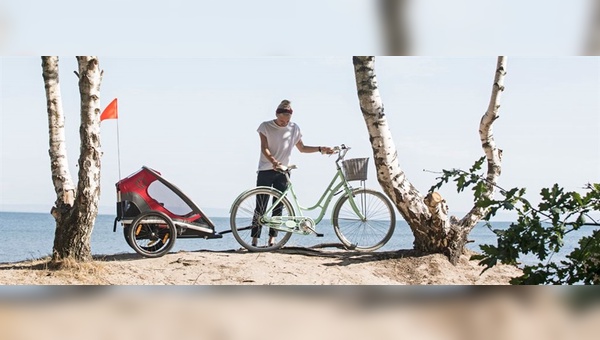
(59, 165)
(88, 190)
(75, 214)
(488, 143)
(427, 216)
(391, 177)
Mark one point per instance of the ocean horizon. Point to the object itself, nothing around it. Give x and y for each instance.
(30, 236)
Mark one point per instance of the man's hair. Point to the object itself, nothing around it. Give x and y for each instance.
(284, 106)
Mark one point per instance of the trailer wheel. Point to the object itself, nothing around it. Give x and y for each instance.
(152, 234)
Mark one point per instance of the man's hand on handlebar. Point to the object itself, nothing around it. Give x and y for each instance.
(325, 150)
(338, 149)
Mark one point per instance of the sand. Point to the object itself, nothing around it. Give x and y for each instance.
(288, 266)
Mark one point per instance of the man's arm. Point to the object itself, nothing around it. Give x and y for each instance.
(309, 149)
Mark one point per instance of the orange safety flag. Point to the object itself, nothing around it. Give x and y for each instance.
(111, 111)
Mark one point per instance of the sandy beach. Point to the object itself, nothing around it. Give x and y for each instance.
(222, 312)
(288, 266)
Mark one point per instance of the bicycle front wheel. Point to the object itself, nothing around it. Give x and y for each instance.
(374, 230)
(246, 219)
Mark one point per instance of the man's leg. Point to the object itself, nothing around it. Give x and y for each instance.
(264, 178)
(279, 183)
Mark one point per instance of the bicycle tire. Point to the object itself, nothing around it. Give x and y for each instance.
(372, 233)
(242, 215)
(152, 234)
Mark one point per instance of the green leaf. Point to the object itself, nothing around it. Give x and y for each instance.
(479, 189)
(508, 206)
(538, 231)
(577, 198)
(477, 165)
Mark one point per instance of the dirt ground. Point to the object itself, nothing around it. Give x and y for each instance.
(288, 266)
(246, 312)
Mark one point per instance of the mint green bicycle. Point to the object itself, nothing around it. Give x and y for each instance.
(363, 219)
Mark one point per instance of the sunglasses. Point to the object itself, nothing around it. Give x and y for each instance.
(284, 113)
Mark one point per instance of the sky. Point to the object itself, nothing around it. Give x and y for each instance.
(292, 28)
(195, 79)
(195, 119)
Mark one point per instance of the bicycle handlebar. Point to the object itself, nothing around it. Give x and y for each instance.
(337, 149)
(340, 150)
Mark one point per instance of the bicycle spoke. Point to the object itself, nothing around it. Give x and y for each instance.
(152, 234)
(372, 232)
(246, 212)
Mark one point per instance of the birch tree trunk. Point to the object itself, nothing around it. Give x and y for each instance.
(492, 153)
(75, 210)
(427, 216)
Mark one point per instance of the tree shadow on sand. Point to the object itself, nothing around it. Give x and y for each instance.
(340, 257)
(349, 257)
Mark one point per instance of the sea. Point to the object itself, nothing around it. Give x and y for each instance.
(28, 236)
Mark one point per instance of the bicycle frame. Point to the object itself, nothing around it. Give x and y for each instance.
(362, 219)
(338, 182)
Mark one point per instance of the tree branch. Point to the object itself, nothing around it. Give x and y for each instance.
(492, 153)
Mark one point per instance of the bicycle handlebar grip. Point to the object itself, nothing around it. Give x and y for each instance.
(338, 149)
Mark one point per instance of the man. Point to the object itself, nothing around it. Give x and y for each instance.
(277, 138)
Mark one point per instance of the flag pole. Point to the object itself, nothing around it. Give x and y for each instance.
(118, 151)
(112, 112)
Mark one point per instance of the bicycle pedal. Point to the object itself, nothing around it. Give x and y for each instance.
(319, 235)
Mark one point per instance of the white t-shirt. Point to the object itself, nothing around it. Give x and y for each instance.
(281, 139)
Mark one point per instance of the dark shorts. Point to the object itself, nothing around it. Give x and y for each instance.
(271, 178)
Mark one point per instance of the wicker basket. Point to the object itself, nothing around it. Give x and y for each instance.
(355, 169)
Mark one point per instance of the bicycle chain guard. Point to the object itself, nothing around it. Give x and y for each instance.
(298, 225)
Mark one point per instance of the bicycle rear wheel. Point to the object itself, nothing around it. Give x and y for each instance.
(245, 221)
(152, 234)
(370, 233)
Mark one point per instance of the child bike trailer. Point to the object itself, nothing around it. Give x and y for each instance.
(154, 213)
